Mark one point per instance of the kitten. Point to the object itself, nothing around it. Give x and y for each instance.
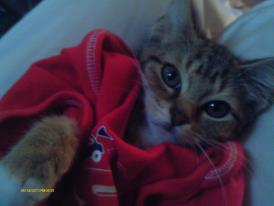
(194, 91)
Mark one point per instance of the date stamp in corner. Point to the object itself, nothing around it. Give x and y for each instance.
(41, 190)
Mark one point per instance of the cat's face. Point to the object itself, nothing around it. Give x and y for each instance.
(195, 90)
(190, 95)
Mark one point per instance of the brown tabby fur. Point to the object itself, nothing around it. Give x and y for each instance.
(208, 72)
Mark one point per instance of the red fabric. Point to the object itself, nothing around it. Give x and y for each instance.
(96, 83)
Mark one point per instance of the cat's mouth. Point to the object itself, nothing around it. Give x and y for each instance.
(164, 125)
(170, 129)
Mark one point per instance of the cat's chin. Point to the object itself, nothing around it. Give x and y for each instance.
(158, 133)
(153, 134)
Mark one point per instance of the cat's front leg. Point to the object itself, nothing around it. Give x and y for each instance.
(38, 161)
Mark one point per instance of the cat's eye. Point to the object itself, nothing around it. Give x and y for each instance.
(171, 77)
(217, 109)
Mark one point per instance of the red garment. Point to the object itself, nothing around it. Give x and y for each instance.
(96, 83)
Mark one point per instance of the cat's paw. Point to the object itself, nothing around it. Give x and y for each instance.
(39, 161)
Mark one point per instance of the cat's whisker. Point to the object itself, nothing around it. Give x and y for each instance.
(196, 154)
(221, 146)
(218, 145)
(214, 168)
(209, 142)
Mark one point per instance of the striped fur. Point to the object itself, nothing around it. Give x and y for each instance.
(208, 72)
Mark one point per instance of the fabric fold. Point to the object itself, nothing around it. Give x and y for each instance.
(97, 83)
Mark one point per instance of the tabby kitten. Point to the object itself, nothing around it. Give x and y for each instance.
(194, 92)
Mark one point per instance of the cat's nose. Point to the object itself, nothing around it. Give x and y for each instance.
(178, 117)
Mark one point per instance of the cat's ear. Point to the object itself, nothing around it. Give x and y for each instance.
(258, 78)
(177, 22)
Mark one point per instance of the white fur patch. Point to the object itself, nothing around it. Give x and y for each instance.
(153, 135)
(10, 186)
